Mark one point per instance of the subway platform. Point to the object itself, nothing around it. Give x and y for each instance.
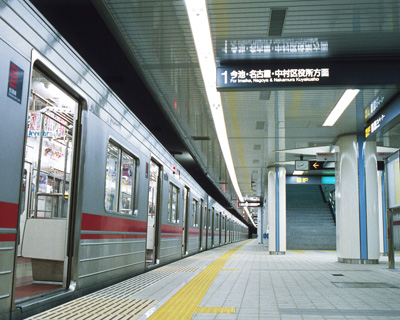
(242, 281)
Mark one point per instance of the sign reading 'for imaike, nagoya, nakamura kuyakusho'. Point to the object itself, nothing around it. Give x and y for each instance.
(310, 73)
(250, 77)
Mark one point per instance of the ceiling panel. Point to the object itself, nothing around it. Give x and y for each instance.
(157, 37)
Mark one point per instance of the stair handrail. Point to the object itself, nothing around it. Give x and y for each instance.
(332, 204)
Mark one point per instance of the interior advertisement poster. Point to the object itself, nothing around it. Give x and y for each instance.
(393, 176)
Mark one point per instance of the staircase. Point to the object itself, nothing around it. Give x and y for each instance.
(309, 221)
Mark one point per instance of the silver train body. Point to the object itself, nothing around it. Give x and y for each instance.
(88, 196)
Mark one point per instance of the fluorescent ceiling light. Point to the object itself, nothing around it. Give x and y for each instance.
(199, 23)
(297, 173)
(342, 104)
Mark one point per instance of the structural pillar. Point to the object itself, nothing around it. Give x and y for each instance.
(357, 224)
(277, 210)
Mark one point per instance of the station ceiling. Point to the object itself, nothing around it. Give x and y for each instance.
(144, 50)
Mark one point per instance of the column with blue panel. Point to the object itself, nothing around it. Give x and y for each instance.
(357, 205)
(277, 210)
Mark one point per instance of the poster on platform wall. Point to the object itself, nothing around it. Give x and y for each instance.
(393, 176)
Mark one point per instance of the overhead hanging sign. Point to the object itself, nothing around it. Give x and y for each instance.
(258, 77)
(271, 47)
(273, 73)
(326, 156)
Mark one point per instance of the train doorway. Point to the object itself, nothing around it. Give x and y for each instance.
(201, 225)
(186, 193)
(152, 213)
(45, 202)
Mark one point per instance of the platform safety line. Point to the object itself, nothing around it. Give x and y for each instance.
(229, 310)
(185, 302)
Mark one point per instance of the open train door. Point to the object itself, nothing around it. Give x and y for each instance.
(185, 223)
(48, 182)
(152, 213)
(201, 226)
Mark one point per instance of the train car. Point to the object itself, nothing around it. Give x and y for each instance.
(88, 196)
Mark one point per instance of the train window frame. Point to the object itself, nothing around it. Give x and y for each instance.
(122, 153)
(195, 212)
(170, 217)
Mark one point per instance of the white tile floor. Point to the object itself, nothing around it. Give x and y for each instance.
(298, 285)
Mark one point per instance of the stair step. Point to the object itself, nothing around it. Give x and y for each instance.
(309, 221)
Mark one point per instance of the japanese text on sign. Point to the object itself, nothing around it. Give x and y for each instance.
(15, 82)
(374, 126)
(301, 180)
(375, 104)
(278, 75)
(274, 46)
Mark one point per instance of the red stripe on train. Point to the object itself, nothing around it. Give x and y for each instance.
(7, 237)
(194, 231)
(171, 229)
(94, 222)
(9, 215)
(112, 236)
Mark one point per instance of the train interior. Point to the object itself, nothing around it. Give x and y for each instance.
(153, 207)
(44, 203)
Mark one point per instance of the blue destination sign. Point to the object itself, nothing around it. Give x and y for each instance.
(384, 120)
(239, 75)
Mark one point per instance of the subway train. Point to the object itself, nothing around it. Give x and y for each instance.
(88, 196)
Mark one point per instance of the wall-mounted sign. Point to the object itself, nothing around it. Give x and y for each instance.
(393, 176)
(374, 106)
(383, 119)
(15, 82)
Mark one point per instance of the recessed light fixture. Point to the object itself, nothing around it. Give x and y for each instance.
(298, 173)
(342, 104)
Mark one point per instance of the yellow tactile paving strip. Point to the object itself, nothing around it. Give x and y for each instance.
(186, 301)
(215, 310)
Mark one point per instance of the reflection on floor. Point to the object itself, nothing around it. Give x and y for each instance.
(24, 284)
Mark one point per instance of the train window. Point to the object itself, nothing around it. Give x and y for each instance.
(217, 222)
(195, 213)
(173, 204)
(120, 180)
